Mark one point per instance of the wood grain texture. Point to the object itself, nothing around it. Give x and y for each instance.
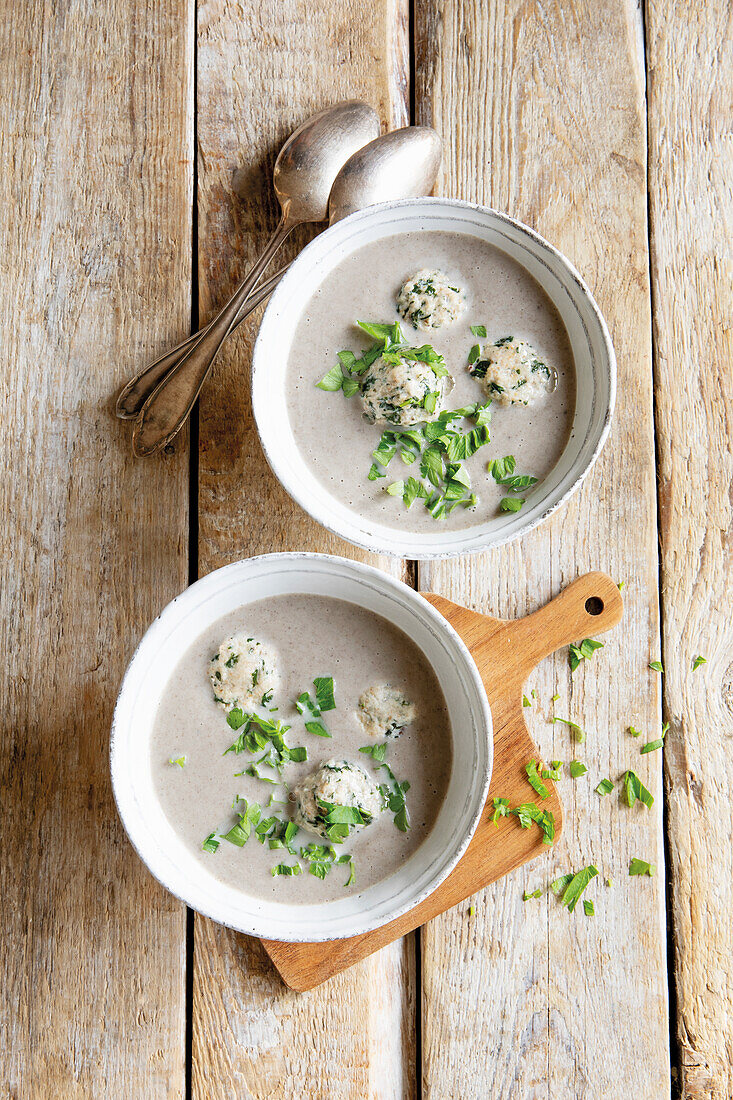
(543, 103)
(690, 66)
(95, 224)
(505, 653)
(263, 68)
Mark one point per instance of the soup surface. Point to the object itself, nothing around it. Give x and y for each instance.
(197, 781)
(330, 430)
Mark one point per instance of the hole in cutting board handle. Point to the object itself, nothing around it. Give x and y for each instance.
(594, 605)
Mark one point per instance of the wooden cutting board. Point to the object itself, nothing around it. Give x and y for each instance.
(505, 652)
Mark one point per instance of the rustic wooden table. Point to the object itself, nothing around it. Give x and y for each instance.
(122, 125)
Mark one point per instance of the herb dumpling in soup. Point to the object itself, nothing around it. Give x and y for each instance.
(405, 387)
(243, 673)
(384, 711)
(512, 373)
(337, 799)
(430, 299)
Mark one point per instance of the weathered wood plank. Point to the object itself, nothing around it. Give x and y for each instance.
(95, 224)
(544, 107)
(690, 66)
(263, 68)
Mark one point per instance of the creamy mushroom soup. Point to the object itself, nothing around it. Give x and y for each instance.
(302, 814)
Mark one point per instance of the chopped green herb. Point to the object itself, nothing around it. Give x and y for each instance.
(395, 799)
(211, 843)
(589, 908)
(554, 698)
(501, 468)
(236, 718)
(501, 808)
(525, 701)
(534, 894)
(479, 330)
(656, 666)
(609, 882)
(511, 504)
(554, 771)
(576, 886)
(324, 693)
(317, 729)
(634, 790)
(577, 769)
(604, 787)
(641, 867)
(386, 450)
(621, 585)
(472, 910)
(544, 819)
(558, 885)
(582, 652)
(534, 779)
(474, 354)
(698, 661)
(652, 746)
(634, 732)
(332, 380)
(375, 472)
(396, 489)
(239, 833)
(377, 752)
(180, 760)
(578, 733)
(288, 869)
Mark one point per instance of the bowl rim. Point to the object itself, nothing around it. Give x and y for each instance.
(123, 789)
(399, 544)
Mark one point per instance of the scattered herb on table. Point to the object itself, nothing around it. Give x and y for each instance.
(588, 908)
(582, 652)
(577, 732)
(634, 790)
(652, 746)
(526, 896)
(604, 787)
(698, 661)
(577, 769)
(641, 867)
(528, 812)
(656, 666)
(525, 701)
(578, 882)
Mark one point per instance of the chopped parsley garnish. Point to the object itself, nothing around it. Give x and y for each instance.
(479, 330)
(394, 797)
(634, 790)
(333, 380)
(554, 771)
(511, 504)
(698, 661)
(634, 732)
(583, 652)
(604, 787)
(324, 693)
(180, 760)
(374, 472)
(578, 733)
(577, 769)
(239, 834)
(534, 779)
(575, 887)
(656, 666)
(377, 752)
(474, 354)
(501, 809)
(544, 819)
(641, 867)
(534, 894)
(652, 746)
(558, 885)
(317, 729)
(286, 869)
(211, 843)
(589, 908)
(525, 701)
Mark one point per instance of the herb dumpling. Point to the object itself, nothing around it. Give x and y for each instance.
(336, 785)
(243, 673)
(384, 711)
(512, 373)
(405, 387)
(430, 299)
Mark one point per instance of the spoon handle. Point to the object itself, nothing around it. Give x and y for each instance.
(169, 405)
(134, 395)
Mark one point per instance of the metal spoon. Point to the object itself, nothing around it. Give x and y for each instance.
(400, 165)
(305, 169)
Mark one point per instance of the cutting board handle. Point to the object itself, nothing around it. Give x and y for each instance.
(507, 650)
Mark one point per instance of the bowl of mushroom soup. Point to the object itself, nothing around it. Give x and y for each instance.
(431, 378)
(301, 747)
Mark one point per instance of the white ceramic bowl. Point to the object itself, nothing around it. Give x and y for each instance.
(174, 631)
(592, 350)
